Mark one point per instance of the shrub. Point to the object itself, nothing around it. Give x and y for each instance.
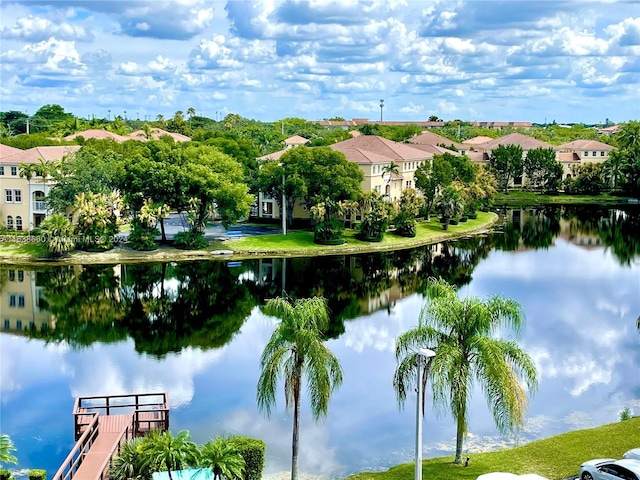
(472, 215)
(625, 414)
(37, 474)
(329, 232)
(453, 221)
(189, 240)
(143, 237)
(5, 475)
(253, 452)
(463, 219)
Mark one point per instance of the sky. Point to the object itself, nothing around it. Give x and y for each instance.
(475, 60)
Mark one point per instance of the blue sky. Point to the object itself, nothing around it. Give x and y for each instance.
(512, 60)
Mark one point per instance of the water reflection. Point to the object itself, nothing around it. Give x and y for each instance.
(196, 330)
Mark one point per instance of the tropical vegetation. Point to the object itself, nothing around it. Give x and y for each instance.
(6, 449)
(463, 332)
(296, 352)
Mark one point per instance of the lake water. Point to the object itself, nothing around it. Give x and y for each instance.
(196, 330)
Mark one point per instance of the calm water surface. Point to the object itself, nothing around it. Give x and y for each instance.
(195, 330)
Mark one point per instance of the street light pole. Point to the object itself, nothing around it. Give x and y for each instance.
(381, 107)
(426, 353)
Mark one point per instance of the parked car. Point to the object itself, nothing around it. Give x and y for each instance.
(610, 469)
(633, 453)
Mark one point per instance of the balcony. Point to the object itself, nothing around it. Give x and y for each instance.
(39, 206)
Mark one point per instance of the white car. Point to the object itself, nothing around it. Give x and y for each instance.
(610, 469)
(633, 453)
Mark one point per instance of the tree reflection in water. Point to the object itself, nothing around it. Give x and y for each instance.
(166, 307)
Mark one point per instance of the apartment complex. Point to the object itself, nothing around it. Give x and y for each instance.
(22, 205)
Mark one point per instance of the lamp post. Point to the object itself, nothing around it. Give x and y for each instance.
(426, 353)
(381, 107)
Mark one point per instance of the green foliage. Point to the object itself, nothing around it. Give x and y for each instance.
(169, 451)
(327, 228)
(223, 459)
(462, 333)
(59, 233)
(131, 463)
(37, 474)
(589, 180)
(408, 208)
(98, 220)
(449, 205)
(190, 240)
(506, 163)
(375, 218)
(542, 169)
(5, 474)
(625, 414)
(143, 237)
(431, 176)
(253, 451)
(6, 449)
(295, 352)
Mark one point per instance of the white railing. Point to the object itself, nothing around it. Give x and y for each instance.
(40, 206)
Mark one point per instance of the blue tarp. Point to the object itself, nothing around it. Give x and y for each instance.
(189, 474)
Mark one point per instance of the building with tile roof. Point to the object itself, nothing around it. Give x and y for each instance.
(22, 205)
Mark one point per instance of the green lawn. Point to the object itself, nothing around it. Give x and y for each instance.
(18, 249)
(555, 457)
(301, 242)
(519, 198)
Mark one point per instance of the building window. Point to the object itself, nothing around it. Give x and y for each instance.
(7, 324)
(20, 301)
(267, 208)
(2, 170)
(602, 153)
(586, 154)
(9, 222)
(594, 153)
(378, 188)
(12, 300)
(19, 223)
(12, 275)
(14, 171)
(408, 183)
(8, 196)
(21, 275)
(19, 325)
(17, 194)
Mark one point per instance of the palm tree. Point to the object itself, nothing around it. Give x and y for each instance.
(462, 332)
(129, 464)
(191, 112)
(173, 453)
(613, 166)
(6, 447)
(449, 204)
(392, 168)
(28, 171)
(222, 458)
(59, 233)
(296, 349)
(629, 135)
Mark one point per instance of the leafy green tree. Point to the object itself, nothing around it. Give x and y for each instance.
(506, 163)
(462, 332)
(375, 217)
(98, 217)
(172, 452)
(628, 136)
(408, 208)
(537, 164)
(327, 228)
(612, 168)
(430, 177)
(296, 351)
(59, 233)
(589, 179)
(449, 205)
(221, 457)
(6, 447)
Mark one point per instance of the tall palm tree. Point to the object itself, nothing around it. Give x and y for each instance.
(173, 453)
(191, 112)
(296, 350)
(449, 204)
(390, 169)
(222, 458)
(28, 171)
(463, 334)
(6, 447)
(613, 166)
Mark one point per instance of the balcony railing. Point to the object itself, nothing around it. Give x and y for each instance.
(40, 206)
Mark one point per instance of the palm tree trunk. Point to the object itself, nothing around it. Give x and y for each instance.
(459, 438)
(296, 421)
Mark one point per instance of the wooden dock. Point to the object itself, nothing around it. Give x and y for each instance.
(103, 424)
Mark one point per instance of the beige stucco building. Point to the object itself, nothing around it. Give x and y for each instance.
(22, 202)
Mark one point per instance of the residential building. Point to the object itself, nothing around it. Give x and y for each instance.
(580, 152)
(430, 138)
(22, 302)
(373, 153)
(22, 205)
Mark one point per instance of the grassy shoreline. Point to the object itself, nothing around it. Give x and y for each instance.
(294, 244)
(522, 198)
(558, 457)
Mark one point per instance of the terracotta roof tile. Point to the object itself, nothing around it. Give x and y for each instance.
(296, 140)
(524, 141)
(430, 138)
(97, 134)
(381, 146)
(585, 145)
(6, 150)
(33, 155)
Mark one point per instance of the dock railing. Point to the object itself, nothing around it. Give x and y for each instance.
(80, 449)
(151, 410)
